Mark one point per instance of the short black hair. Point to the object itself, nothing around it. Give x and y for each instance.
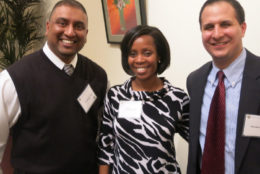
(240, 13)
(72, 3)
(161, 44)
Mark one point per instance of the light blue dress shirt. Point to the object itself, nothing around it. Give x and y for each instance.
(233, 79)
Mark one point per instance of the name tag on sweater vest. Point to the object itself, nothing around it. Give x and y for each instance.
(87, 98)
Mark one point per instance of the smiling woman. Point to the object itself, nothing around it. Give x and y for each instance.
(140, 140)
(143, 61)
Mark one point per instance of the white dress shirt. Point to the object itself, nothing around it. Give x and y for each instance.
(10, 108)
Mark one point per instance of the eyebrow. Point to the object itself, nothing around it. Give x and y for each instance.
(65, 19)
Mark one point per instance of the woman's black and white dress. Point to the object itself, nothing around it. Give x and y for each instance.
(143, 144)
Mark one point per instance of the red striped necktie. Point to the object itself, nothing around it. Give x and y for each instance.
(213, 158)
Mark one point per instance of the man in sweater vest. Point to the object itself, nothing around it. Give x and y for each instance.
(50, 100)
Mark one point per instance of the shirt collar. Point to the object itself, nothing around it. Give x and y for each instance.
(233, 72)
(55, 59)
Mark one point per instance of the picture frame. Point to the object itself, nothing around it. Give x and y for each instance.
(122, 15)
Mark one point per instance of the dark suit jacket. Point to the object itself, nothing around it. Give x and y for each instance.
(247, 152)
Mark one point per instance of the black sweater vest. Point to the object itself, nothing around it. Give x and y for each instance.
(53, 133)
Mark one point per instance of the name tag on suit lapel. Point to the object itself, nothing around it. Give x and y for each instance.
(87, 98)
(252, 126)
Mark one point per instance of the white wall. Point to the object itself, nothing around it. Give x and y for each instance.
(178, 20)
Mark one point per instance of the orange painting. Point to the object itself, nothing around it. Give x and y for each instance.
(121, 19)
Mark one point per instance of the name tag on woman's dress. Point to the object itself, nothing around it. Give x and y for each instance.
(130, 109)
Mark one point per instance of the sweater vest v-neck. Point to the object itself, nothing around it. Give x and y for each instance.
(53, 133)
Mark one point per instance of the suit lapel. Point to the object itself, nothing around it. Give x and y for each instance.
(198, 91)
(248, 104)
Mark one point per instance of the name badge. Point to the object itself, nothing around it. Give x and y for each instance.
(130, 109)
(252, 126)
(87, 98)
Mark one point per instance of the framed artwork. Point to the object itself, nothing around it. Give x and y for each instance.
(122, 15)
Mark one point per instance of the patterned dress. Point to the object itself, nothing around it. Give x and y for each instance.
(143, 145)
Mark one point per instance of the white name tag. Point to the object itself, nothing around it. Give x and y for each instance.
(130, 109)
(87, 98)
(252, 126)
